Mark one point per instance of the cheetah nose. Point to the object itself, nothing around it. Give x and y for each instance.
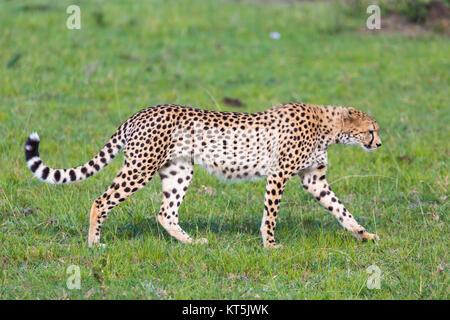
(379, 144)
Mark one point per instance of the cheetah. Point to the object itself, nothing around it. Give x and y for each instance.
(279, 143)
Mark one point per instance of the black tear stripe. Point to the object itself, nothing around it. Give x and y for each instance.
(371, 140)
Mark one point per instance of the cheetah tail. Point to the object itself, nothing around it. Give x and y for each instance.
(60, 176)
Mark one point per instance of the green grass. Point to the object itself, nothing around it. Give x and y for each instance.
(75, 87)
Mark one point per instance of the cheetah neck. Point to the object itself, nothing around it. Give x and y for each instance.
(331, 125)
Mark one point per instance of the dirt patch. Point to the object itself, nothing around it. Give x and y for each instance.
(439, 17)
(438, 11)
(233, 102)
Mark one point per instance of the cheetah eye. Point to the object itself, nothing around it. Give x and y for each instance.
(371, 131)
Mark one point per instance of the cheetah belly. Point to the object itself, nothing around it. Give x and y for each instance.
(233, 167)
(225, 158)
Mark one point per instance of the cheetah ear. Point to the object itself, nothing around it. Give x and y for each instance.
(349, 113)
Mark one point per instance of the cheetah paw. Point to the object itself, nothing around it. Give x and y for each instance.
(363, 235)
(273, 246)
(97, 244)
(201, 241)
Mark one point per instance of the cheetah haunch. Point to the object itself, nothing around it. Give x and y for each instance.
(286, 140)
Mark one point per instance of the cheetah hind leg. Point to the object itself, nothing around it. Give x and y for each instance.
(175, 178)
(118, 191)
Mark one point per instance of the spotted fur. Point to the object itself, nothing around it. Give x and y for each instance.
(279, 143)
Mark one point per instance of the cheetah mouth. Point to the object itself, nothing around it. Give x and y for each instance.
(369, 149)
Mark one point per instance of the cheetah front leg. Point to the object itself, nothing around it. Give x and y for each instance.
(315, 183)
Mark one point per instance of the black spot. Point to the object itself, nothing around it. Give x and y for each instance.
(45, 173)
(57, 175)
(35, 166)
(73, 177)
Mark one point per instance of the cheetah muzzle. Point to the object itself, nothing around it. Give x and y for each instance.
(286, 140)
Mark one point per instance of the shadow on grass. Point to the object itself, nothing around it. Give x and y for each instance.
(149, 227)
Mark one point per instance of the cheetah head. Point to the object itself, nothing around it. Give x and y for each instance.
(360, 129)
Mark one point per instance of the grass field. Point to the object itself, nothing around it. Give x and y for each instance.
(75, 87)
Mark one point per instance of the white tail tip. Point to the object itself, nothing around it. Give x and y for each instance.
(34, 136)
